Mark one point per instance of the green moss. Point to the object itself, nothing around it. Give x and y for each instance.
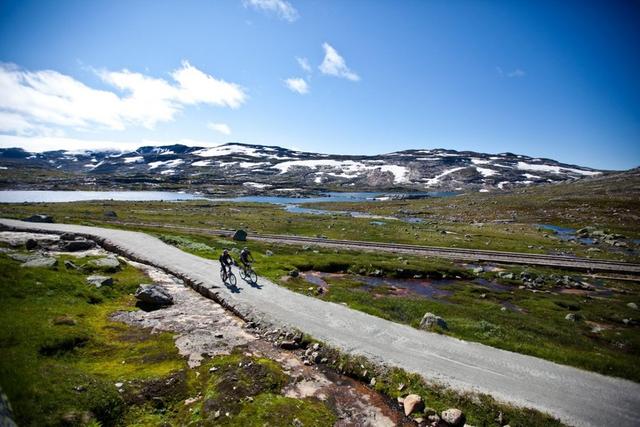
(53, 370)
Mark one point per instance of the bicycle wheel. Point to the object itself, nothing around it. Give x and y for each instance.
(243, 274)
(223, 276)
(253, 277)
(232, 279)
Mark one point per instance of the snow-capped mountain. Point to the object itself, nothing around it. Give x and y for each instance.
(256, 168)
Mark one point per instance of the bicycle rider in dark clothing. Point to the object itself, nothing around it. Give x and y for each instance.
(226, 261)
(246, 258)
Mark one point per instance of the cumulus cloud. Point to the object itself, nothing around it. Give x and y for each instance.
(517, 73)
(50, 98)
(334, 65)
(281, 8)
(297, 84)
(39, 144)
(304, 64)
(223, 128)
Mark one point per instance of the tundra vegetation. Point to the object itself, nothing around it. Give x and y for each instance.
(564, 316)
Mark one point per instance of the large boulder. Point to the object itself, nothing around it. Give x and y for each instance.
(77, 245)
(240, 235)
(151, 297)
(39, 218)
(99, 281)
(430, 320)
(111, 214)
(109, 264)
(42, 262)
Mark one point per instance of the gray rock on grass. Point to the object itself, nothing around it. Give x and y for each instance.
(153, 296)
(99, 281)
(77, 245)
(110, 263)
(430, 320)
(41, 262)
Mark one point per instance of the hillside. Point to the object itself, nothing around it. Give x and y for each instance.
(254, 169)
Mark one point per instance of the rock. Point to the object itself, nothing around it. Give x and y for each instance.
(31, 244)
(68, 236)
(77, 245)
(289, 345)
(110, 214)
(478, 270)
(573, 317)
(412, 403)
(153, 296)
(429, 320)
(294, 273)
(64, 320)
(42, 262)
(240, 235)
(109, 264)
(268, 253)
(632, 305)
(76, 418)
(99, 281)
(70, 265)
(39, 218)
(453, 417)
(24, 257)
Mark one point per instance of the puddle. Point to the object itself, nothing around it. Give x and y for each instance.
(565, 233)
(431, 289)
(492, 285)
(402, 287)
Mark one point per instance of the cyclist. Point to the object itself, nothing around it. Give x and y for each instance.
(226, 261)
(246, 258)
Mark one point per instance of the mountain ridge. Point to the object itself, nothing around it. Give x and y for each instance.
(255, 168)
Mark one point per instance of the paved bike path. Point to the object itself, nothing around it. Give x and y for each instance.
(575, 396)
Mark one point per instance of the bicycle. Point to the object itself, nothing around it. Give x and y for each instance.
(224, 275)
(247, 274)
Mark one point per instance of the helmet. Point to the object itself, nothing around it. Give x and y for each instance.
(245, 248)
(225, 251)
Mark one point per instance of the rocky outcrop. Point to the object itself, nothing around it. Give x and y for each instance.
(153, 297)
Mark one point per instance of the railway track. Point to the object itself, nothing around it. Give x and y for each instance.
(562, 261)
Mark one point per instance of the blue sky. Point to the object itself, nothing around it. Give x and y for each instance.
(548, 79)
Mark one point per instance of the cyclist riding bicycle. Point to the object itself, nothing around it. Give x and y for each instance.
(246, 258)
(226, 261)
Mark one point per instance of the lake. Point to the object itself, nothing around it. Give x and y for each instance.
(27, 196)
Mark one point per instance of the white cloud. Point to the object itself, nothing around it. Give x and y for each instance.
(297, 85)
(517, 73)
(304, 64)
(282, 8)
(220, 127)
(47, 143)
(49, 98)
(334, 65)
